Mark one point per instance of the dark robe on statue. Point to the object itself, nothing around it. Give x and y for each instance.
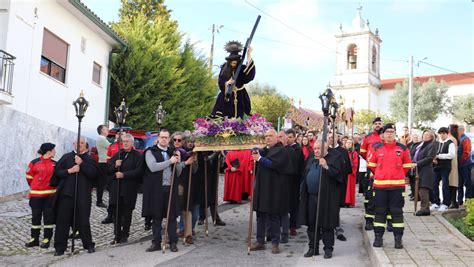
(64, 203)
(239, 103)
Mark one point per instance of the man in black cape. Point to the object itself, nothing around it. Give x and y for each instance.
(295, 180)
(86, 169)
(330, 182)
(239, 102)
(157, 178)
(271, 190)
(126, 166)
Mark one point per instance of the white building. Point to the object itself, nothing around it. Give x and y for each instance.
(50, 50)
(358, 80)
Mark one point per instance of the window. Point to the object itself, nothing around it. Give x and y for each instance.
(54, 56)
(96, 70)
(374, 59)
(352, 57)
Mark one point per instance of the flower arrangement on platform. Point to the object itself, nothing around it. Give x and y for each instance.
(230, 132)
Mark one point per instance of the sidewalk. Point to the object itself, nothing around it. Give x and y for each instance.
(428, 241)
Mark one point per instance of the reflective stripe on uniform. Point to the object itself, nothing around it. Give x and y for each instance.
(398, 225)
(48, 226)
(377, 224)
(366, 201)
(371, 164)
(389, 216)
(389, 182)
(43, 192)
(404, 194)
(29, 177)
(373, 194)
(407, 165)
(369, 216)
(35, 226)
(363, 150)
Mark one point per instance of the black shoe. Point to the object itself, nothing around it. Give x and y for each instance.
(45, 243)
(90, 250)
(369, 225)
(268, 239)
(398, 242)
(220, 223)
(341, 237)
(389, 226)
(101, 205)
(123, 240)
(454, 206)
(76, 235)
(173, 247)
(147, 227)
(378, 242)
(58, 253)
(311, 252)
(422, 213)
(327, 254)
(153, 247)
(34, 242)
(284, 239)
(107, 220)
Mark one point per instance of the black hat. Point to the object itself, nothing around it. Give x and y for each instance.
(45, 148)
(388, 126)
(376, 120)
(233, 48)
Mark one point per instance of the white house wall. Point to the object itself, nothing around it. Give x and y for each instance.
(36, 93)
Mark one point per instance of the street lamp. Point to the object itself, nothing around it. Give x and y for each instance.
(81, 105)
(159, 115)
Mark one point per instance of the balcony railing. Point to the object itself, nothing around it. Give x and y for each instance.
(6, 72)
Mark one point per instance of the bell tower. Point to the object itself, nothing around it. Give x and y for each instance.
(357, 75)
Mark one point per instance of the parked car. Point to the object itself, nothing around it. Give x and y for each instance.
(143, 139)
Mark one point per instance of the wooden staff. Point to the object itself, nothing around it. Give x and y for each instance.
(249, 238)
(417, 188)
(187, 202)
(205, 194)
(216, 199)
(163, 245)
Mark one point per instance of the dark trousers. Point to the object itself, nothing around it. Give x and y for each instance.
(212, 208)
(274, 227)
(64, 222)
(294, 201)
(285, 225)
(443, 176)
(101, 182)
(42, 208)
(424, 199)
(389, 201)
(362, 180)
(326, 234)
(124, 220)
(464, 181)
(369, 200)
(158, 219)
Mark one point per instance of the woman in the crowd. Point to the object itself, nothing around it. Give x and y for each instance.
(453, 175)
(425, 152)
(351, 178)
(306, 147)
(299, 139)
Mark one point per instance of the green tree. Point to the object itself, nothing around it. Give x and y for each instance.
(364, 117)
(429, 101)
(149, 8)
(463, 108)
(267, 102)
(158, 67)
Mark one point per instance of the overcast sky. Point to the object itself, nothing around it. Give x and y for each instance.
(294, 47)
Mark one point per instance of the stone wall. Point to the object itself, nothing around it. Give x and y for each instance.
(21, 136)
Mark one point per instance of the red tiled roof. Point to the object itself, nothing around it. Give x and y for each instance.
(450, 79)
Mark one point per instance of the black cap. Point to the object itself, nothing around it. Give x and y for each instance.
(388, 126)
(376, 120)
(46, 147)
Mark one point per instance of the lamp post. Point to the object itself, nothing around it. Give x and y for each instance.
(326, 99)
(333, 110)
(120, 114)
(159, 116)
(80, 105)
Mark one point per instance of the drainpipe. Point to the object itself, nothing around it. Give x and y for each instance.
(109, 78)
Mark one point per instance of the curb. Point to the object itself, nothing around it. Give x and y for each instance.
(454, 231)
(377, 255)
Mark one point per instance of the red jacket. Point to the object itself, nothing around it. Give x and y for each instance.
(367, 143)
(390, 162)
(38, 176)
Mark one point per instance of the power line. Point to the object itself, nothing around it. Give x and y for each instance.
(432, 65)
(289, 27)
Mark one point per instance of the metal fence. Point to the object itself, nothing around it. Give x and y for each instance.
(6, 71)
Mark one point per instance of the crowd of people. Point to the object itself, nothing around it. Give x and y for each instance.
(296, 179)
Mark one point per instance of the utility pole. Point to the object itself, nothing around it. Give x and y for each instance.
(410, 96)
(211, 56)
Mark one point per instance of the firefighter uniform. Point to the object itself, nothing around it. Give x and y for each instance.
(390, 163)
(41, 194)
(369, 205)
